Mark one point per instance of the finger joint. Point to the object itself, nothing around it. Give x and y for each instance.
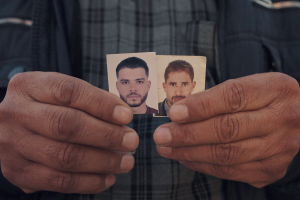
(65, 91)
(187, 134)
(64, 182)
(65, 124)
(234, 96)
(227, 128)
(225, 154)
(223, 171)
(70, 156)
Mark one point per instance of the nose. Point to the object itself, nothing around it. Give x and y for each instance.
(132, 87)
(179, 90)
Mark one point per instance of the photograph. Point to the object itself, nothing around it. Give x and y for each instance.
(177, 78)
(133, 78)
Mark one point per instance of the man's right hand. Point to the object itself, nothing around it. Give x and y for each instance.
(59, 133)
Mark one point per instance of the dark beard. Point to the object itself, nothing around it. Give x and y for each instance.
(134, 105)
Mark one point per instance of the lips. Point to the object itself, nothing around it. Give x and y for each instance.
(133, 96)
(178, 99)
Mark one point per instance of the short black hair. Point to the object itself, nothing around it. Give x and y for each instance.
(132, 63)
(180, 66)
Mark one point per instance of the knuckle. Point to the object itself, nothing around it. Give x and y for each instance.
(227, 128)
(187, 154)
(205, 105)
(223, 171)
(71, 156)
(110, 164)
(65, 123)
(289, 147)
(109, 134)
(14, 171)
(187, 134)
(9, 174)
(7, 148)
(225, 154)
(234, 96)
(20, 85)
(280, 175)
(273, 171)
(285, 82)
(7, 114)
(289, 115)
(63, 182)
(17, 80)
(64, 90)
(285, 87)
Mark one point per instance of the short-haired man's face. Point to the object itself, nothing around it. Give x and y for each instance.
(178, 86)
(133, 86)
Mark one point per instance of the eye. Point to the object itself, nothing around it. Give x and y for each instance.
(124, 82)
(173, 84)
(185, 84)
(140, 82)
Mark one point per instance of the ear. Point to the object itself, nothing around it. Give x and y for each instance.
(149, 85)
(117, 85)
(164, 86)
(194, 84)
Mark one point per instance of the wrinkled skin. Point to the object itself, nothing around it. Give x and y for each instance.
(59, 133)
(246, 130)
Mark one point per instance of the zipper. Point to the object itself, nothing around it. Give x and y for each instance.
(15, 21)
(278, 5)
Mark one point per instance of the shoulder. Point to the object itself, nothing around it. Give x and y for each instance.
(151, 110)
(161, 109)
(160, 103)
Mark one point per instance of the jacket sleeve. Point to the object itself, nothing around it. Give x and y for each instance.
(15, 33)
(37, 35)
(253, 39)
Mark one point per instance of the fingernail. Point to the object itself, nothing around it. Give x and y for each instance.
(122, 114)
(110, 180)
(162, 136)
(131, 152)
(130, 141)
(164, 150)
(127, 162)
(179, 112)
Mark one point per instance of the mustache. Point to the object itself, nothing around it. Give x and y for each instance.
(178, 97)
(133, 93)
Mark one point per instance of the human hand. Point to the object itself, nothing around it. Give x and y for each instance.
(246, 130)
(59, 133)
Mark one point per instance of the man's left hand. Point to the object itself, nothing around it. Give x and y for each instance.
(246, 130)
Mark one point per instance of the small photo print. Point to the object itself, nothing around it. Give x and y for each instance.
(177, 78)
(133, 77)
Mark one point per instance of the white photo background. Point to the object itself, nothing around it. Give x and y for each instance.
(150, 58)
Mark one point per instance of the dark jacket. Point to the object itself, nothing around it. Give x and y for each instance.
(161, 108)
(249, 39)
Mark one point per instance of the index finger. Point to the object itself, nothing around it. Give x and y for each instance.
(59, 89)
(242, 94)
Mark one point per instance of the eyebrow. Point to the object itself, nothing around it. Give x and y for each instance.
(179, 82)
(138, 79)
